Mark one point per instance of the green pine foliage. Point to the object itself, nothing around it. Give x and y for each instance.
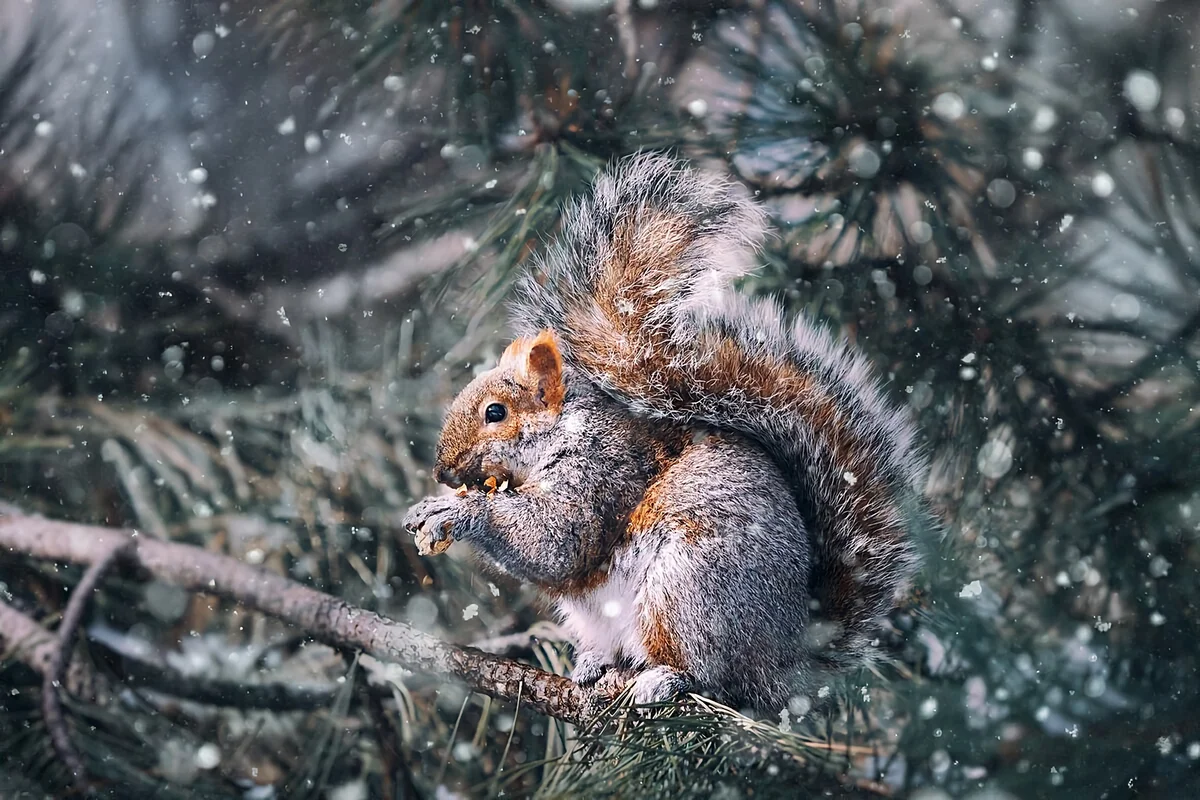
(999, 201)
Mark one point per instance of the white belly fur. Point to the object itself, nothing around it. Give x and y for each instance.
(606, 620)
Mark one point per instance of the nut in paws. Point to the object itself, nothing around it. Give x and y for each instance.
(432, 520)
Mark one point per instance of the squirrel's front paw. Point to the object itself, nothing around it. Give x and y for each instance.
(590, 666)
(432, 521)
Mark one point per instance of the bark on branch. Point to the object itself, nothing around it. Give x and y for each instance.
(319, 615)
(22, 638)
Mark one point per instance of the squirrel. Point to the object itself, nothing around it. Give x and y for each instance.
(716, 499)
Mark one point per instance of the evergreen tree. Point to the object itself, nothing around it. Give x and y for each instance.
(247, 254)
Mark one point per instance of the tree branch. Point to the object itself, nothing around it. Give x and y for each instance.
(31, 644)
(56, 671)
(319, 615)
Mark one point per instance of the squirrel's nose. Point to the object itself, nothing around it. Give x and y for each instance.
(446, 475)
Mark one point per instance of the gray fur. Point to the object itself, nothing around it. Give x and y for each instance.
(695, 310)
(568, 512)
(728, 569)
(753, 507)
(737, 588)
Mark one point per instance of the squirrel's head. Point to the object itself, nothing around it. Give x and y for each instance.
(493, 424)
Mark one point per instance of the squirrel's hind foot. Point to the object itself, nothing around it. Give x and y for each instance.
(660, 684)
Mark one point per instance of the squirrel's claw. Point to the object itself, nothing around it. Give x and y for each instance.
(431, 521)
(434, 517)
(590, 666)
(660, 684)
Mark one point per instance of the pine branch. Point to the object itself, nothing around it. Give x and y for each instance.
(324, 617)
(60, 659)
(26, 641)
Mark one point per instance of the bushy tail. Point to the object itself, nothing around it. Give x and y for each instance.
(638, 289)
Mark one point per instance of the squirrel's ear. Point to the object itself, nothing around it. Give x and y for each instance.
(543, 368)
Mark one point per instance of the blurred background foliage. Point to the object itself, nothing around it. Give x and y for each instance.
(248, 253)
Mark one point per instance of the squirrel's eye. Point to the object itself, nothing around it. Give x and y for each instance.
(495, 412)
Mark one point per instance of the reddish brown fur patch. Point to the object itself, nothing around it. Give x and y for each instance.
(544, 368)
(645, 246)
(655, 508)
(647, 514)
(662, 645)
(668, 443)
(537, 366)
(576, 587)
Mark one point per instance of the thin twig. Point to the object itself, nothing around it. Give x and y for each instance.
(504, 756)
(56, 672)
(21, 637)
(397, 776)
(627, 35)
(450, 744)
(132, 477)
